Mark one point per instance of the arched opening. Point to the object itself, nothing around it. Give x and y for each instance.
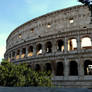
(9, 57)
(29, 66)
(48, 67)
(59, 69)
(60, 45)
(88, 67)
(13, 55)
(18, 53)
(30, 51)
(23, 52)
(72, 44)
(86, 43)
(39, 49)
(48, 47)
(73, 68)
(37, 68)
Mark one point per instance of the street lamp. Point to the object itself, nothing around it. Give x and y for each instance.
(89, 4)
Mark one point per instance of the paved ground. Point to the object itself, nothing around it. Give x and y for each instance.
(36, 89)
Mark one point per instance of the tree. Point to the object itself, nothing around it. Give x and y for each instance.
(16, 75)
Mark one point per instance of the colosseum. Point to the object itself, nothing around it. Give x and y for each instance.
(60, 42)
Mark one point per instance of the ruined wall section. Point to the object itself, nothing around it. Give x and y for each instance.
(58, 21)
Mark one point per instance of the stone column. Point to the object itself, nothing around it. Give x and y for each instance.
(11, 55)
(66, 68)
(33, 65)
(65, 45)
(54, 46)
(53, 66)
(20, 53)
(78, 43)
(26, 51)
(42, 67)
(15, 55)
(43, 48)
(81, 68)
(34, 50)
(6, 57)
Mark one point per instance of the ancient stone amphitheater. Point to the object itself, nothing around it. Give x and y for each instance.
(60, 42)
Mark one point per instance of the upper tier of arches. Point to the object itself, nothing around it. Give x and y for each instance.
(56, 22)
(51, 46)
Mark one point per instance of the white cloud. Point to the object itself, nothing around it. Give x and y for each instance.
(3, 37)
(2, 51)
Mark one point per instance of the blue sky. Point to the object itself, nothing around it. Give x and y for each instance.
(16, 12)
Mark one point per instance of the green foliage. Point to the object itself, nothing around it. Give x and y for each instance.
(3, 60)
(16, 75)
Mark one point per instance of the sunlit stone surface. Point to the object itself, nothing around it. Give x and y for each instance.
(60, 42)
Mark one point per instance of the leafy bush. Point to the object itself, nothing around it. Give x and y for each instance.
(20, 75)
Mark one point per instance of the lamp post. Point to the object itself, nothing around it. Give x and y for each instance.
(89, 4)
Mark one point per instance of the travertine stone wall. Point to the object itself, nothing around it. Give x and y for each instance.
(65, 24)
(58, 20)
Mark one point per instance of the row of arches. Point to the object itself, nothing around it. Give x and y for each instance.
(73, 68)
(47, 67)
(85, 43)
(48, 47)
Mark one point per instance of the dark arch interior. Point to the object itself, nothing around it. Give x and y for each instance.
(60, 69)
(29, 66)
(48, 47)
(30, 49)
(24, 51)
(73, 68)
(60, 44)
(48, 67)
(39, 48)
(18, 52)
(13, 54)
(37, 68)
(88, 67)
(70, 44)
(9, 55)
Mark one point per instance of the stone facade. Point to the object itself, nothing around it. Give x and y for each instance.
(46, 43)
